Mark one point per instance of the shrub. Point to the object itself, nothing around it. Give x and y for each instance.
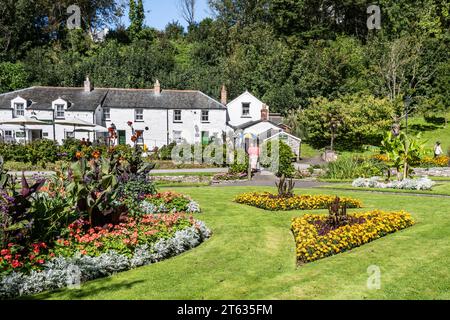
(315, 239)
(165, 152)
(405, 184)
(43, 151)
(273, 202)
(354, 167)
(286, 156)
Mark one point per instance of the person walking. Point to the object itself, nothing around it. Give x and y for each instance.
(253, 153)
(438, 150)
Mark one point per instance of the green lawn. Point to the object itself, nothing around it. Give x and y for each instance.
(431, 133)
(183, 174)
(251, 256)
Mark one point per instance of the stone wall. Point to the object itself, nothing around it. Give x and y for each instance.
(432, 172)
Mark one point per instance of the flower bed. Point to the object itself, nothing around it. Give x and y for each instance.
(273, 202)
(168, 202)
(406, 184)
(97, 252)
(316, 240)
(442, 161)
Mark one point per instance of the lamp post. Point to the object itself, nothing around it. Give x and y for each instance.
(407, 102)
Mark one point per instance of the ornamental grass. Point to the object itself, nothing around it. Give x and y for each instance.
(269, 201)
(316, 240)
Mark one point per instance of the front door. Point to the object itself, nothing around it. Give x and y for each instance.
(122, 137)
(36, 135)
(205, 137)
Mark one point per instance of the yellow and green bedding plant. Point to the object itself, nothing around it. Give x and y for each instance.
(273, 202)
(315, 240)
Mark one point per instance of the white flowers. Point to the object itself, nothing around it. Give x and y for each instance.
(423, 183)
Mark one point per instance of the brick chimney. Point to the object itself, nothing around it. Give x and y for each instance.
(224, 96)
(265, 113)
(88, 87)
(157, 87)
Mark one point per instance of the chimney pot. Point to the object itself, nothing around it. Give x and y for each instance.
(88, 87)
(157, 87)
(224, 96)
(265, 113)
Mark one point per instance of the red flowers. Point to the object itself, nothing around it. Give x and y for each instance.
(19, 258)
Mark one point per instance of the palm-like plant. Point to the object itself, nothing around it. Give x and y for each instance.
(403, 152)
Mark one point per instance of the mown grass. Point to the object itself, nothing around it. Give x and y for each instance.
(251, 256)
(183, 174)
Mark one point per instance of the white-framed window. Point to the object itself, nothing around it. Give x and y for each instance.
(140, 140)
(245, 109)
(59, 111)
(106, 113)
(177, 136)
(205, 115)
(139, 115)
(177, 116)
(19, 109)
(8, 134)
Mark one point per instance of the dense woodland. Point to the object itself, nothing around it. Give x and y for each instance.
(312, 60)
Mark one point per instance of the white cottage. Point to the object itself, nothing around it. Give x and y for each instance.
(250, 118)
(162, 116)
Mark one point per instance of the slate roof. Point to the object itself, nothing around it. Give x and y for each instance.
(251, 124)
(167, 99)
(41, 98)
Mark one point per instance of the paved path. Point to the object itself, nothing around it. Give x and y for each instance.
(32, 173)
(200, 170)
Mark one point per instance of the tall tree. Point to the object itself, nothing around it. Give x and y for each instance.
(137, 17)
(187, 10)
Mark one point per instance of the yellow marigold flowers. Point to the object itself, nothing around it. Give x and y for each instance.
(314, 242)
(441, 161)
(272, 202)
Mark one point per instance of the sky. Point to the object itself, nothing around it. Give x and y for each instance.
(160, 12)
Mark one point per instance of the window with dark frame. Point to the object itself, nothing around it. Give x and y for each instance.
(205, 116)
(106, 114)
(59, 111)
(177, 116)
(139, 115)
(19, 109)
(245, 109)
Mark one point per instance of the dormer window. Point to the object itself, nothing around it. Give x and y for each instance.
(245, 109)
(106, 114)
(19, 109)
(59, 111)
